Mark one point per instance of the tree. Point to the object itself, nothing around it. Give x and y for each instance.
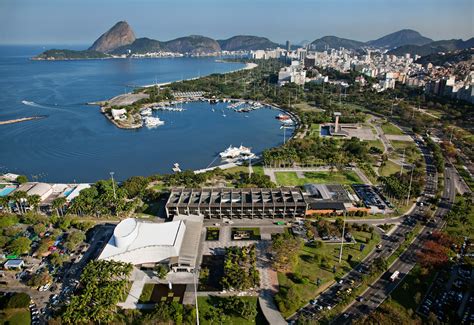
(5, 203)
(161, 270)
(18, 300)
(285, 249)
(20, 246)
(58, 204)
(39, 228)
(39, 279)
(74, 238)
(21, 179)
(19, 197)
(57, 259)
(34, 201)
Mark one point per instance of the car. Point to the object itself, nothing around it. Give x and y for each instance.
(313, 302)
(360, 299)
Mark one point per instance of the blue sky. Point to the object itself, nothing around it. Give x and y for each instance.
(82, 21)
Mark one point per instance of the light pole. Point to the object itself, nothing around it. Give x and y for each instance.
(113, 184)
(342, 237)
(195, 295)
(409, 187)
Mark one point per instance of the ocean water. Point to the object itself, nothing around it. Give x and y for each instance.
(76, 143)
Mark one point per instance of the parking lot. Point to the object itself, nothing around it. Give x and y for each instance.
(449, 297)
(372, 198)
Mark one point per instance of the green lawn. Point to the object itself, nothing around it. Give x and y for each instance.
(375, 143)
(389, 168)
(308, 107)
(15, 316)
(146, 293)
(257, 169)
(291, 178)
(205, 306)
(310, 266)
(212, 233)
(389, 128)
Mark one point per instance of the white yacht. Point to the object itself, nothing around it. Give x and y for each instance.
(236, 152)
(153, 122)
(146, 112)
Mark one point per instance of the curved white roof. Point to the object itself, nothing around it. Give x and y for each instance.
(40, 189)
(138, 242)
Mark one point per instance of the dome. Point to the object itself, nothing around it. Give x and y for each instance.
(125, 232)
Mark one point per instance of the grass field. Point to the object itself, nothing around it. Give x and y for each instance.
(389, 168)
(308, 107)
(19, 316)
(145, 296)
(257, 169)
(375, 143)
(310, 266)
(389, 128)
(205, 306)
(292, 179)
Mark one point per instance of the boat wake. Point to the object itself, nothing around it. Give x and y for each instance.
(28, 103)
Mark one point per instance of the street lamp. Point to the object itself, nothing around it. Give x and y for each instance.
(195, 272)
(113, 184)
(342, 237)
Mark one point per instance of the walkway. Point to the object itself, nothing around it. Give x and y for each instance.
(139, 279)
(268, 285)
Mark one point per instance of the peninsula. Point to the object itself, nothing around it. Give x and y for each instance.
(124, 110)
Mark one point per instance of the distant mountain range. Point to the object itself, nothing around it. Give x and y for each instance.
(398, 43)
(120, 39)
(434, 47)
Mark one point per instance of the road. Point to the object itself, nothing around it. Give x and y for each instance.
(329, 298)
(383, 287)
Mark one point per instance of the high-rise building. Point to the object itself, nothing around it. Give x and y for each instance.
(288, 46)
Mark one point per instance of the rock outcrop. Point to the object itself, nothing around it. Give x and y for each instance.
(120, 34)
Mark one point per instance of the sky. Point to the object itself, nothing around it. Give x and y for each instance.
(82, 21)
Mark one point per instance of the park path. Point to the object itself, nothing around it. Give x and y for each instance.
(268, 285)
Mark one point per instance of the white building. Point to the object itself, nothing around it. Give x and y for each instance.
(119, 114)
(294, 73)
(145, 244)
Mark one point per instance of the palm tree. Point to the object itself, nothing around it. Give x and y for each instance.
(34, 201)
(5, 203)
(19, 198)
(58, 204)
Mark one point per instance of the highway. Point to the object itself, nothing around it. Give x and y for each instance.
(379, 290)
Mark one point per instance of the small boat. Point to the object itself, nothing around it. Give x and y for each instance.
(146, 112)
(151, 122)
(282, 117)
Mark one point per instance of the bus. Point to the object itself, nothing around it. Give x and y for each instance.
(394, 276)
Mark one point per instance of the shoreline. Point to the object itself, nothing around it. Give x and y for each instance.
(22, 119)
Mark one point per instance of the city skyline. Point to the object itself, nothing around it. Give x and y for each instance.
(81, 22)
